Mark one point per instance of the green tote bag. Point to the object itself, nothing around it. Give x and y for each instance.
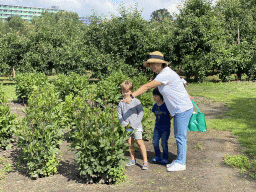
(197, 121)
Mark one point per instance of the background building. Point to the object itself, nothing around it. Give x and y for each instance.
(25, 13)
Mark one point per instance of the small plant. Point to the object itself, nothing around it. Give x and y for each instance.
(238, 161)
(157, 170)
(199, 146)
(118, 174)
(207, 160)
(5, 167)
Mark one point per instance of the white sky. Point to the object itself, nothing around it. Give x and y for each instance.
(85, 7)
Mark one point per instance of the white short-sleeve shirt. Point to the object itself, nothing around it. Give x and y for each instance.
(174, 93)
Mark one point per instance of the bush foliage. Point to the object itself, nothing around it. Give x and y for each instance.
(40, 133)
(7, 121)
(27, 82)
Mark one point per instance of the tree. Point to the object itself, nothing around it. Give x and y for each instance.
(160, 14)
(237, 21)
(193, 35)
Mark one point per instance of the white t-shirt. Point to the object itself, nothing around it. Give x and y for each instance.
(174, 93)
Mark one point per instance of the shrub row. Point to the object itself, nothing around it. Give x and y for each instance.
(105, 91)
(7, 121)
(88, 113)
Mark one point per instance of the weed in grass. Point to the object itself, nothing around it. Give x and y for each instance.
(157, 170)
(238, 161)
(207, 160)
(5, 167)
(199, 146)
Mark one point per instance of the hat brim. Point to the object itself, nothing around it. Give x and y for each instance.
(146, 63)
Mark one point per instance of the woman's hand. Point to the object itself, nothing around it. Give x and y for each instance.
(127, 99)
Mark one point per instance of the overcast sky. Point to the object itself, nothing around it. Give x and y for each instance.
(84, 7)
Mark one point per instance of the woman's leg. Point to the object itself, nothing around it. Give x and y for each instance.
(180, 122)
(156, 138)
(165, 137)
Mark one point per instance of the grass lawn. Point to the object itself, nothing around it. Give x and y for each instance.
(10, 92)
(240, 97)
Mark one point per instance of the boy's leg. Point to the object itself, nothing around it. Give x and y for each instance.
(165, 137)
(142, 149)
(131, 147)
(156, 138)
(138, 137)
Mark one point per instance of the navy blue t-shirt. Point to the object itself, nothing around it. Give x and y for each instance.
(162, 117)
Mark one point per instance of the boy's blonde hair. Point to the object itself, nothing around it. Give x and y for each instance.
(127, 85)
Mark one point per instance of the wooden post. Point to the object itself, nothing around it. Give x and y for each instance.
(238, 38)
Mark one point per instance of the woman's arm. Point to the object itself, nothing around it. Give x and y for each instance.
(144, 88)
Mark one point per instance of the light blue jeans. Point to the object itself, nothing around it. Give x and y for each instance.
(180, 123)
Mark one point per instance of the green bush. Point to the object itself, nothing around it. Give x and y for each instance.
(71, 83)
(148, 123)
(7, 121)
(27, 82)
(99, 141)
(108, 90)
(146, 98)
(40, 134)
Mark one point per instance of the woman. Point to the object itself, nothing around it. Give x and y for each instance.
(177, 101)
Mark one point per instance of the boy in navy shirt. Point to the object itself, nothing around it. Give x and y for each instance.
(162, 127)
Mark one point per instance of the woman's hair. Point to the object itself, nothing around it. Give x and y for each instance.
(164, 65)
(127, 85)
(156, 92)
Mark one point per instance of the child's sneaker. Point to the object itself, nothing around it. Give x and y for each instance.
(164, 161)
(156, 159)
(145, 166)
(130, 163)
(176, 167)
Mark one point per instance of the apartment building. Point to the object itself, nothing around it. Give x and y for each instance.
(26, 13)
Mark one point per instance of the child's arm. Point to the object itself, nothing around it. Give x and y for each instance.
(120, 116)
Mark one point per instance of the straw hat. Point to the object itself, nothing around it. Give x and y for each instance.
(155, 57)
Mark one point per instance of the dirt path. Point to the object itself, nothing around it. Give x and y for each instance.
(205, 168)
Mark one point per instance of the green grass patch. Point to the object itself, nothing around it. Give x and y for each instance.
(240, 97)
(9, 91)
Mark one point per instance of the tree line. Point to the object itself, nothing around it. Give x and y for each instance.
(203, 39)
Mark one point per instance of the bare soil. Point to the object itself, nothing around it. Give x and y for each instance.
(206, 170)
